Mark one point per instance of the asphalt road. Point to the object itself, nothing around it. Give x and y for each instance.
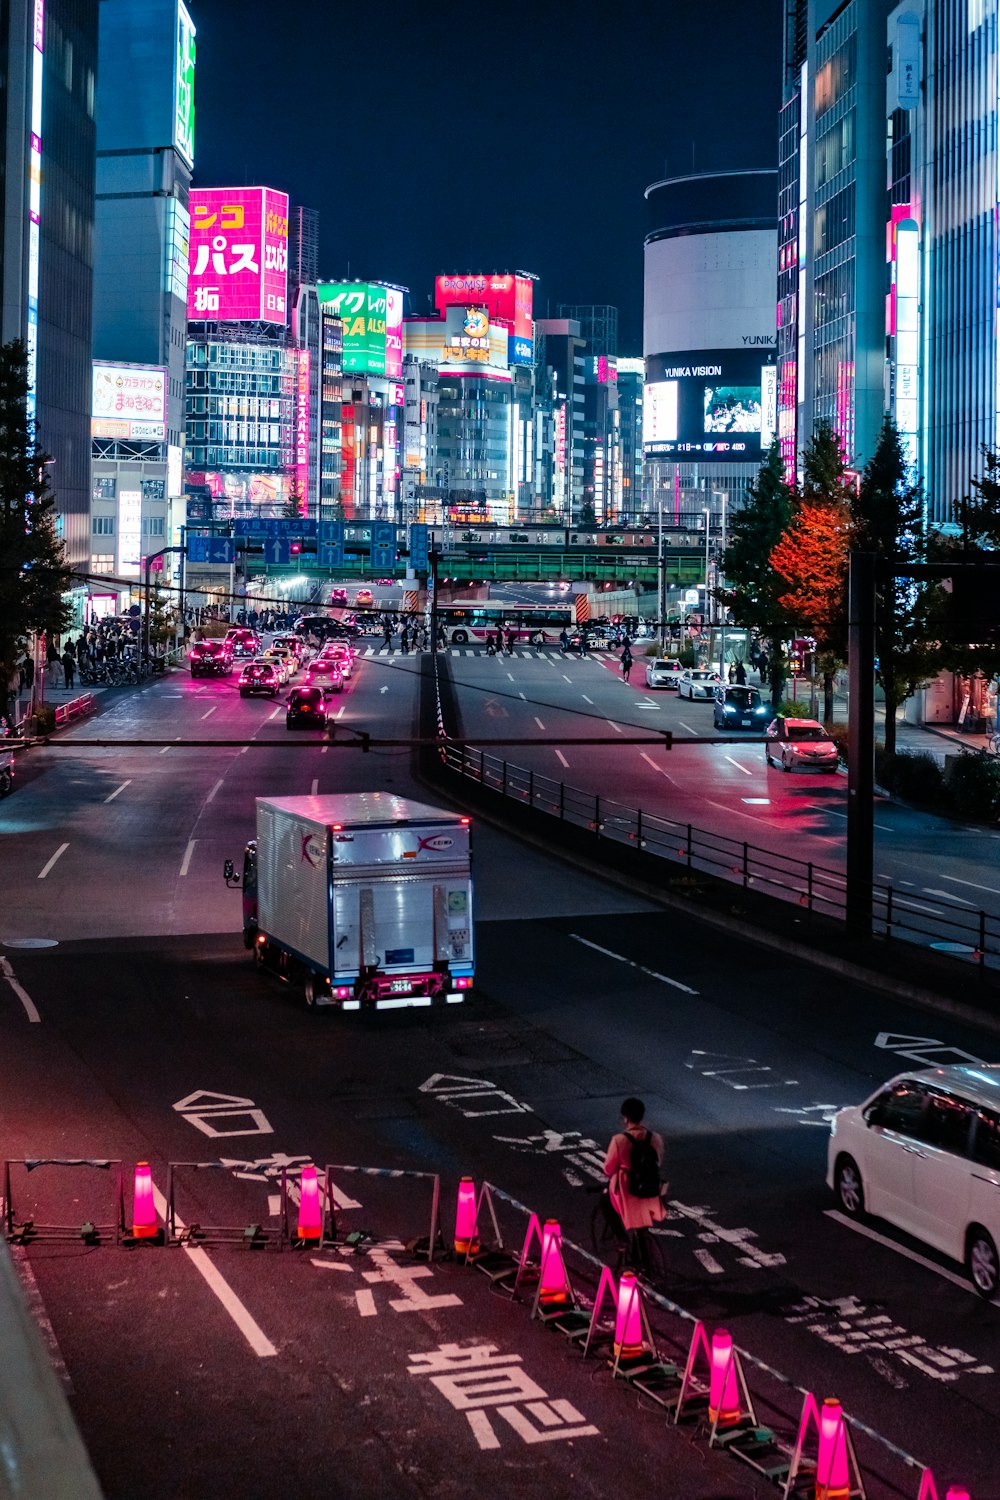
(937, 869)
(157, 1039)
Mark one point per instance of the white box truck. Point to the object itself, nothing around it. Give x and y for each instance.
(363, 898)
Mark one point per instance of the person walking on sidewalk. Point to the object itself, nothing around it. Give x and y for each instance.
(632, 1165)
(626, 662)
(69, 667)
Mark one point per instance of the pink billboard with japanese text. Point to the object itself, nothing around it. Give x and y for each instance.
(238, 266)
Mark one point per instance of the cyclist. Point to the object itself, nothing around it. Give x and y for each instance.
(632, 1164)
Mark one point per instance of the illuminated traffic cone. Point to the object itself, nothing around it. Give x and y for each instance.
(553, 1283)
(629, 1338)
(310, 1226)
(466, 1227)
(723, 1392)
(833, 1480)
(956, 1492)
(144, 1221)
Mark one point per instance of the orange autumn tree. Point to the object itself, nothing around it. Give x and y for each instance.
(812, 554)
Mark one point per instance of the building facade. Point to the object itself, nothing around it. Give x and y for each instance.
(145, 154)
(631, 380)
(708, 337)
(49, 53)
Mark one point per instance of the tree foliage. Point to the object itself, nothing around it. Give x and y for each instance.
(33, 572)
(752, 583)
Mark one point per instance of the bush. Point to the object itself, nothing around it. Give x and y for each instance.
(43, 720)
(916, 778)
(793, 710)
(974, 784)
(838, 733)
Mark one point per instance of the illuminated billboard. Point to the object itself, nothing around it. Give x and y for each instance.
(508, 299)
(715, 405)
(472, 344)
(128, 401)
(238, 256)
(302, 430)
(129, 531)
(372, 316)
(184, 86)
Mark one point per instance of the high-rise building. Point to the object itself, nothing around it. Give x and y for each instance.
(708, 337)
(145, 153)
(598, 324)
(831, 225)
(631, 379)
(49, 56)
(560, 357)
(303, 248)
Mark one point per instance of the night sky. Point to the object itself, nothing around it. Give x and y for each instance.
(433, 138)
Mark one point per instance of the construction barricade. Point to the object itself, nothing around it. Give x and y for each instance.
(423, 1245)
(26, 1220)
(256, 1221)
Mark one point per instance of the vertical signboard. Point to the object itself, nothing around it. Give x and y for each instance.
(238, 257)
(184, 85)
(393, 332)
(129, 531)
(302, 431)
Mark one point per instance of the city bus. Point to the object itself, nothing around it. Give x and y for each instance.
(466, 622)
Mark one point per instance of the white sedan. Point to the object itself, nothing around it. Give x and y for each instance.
(663, 672)
(697, 682)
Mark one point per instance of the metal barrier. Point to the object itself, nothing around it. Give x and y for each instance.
(434, 1178)
(27, 1230)
(75, 708)
(251, 1236)
(816, 888)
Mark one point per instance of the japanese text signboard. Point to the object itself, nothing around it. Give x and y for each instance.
(372, 316)
(129, 401)
(238, 268)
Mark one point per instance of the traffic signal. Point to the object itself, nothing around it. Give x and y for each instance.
(295, 548)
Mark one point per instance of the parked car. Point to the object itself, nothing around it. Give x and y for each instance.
(739, 708)
(306, 708)
(259, 677)
(924, 1153)
(663, 672)
(210, 659)
(799, 742)
(697, 682)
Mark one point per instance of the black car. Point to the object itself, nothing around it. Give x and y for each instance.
(325, 629)
(211, 659)
(306, 708)
(739, 708)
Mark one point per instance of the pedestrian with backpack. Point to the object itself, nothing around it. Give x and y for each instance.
(632, 1165)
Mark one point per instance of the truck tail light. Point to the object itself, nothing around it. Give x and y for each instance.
(464, 982)
(342, 992)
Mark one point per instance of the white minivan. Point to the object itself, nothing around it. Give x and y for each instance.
(924, 1153)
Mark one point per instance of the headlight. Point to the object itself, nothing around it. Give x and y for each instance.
(729, 709)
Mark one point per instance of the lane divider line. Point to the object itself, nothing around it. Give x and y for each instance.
(50, 862)
(217, 1283)
(186, 861)
(562, 760)
(210, 711)
(587, 700)
(616, 727)
(315, 786)
(539, 723)
(651, 762)
(216, 788)
(920, 1260)
(118, 789)
(30, 1008)
(745, 769)
(631, 963)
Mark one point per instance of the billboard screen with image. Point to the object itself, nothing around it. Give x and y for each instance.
(713, 405)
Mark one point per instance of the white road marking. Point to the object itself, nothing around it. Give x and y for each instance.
(510, 677)
(30, 1009)
(315, 786)
(954, 880)
(539, 723)
(186, 861)
(709, 1261)
(687, 727)
(883, 827)
(616, 727)
(741, 1239)
(216, 1282)
(366, 1304)
(340, 712)
(214, 792)
(920, 1260)
(916, 906)
(482, 1430)
(118, 789)
(562, 760)
(326, 1265)
(209, 711)
(947, 896)
(245, 749)
(274, 713)
(651, 762)
(50, 862)
(567, 679)
(522, 697)
(620, 958)
(587, 700)
(745, 769)
(165, 749)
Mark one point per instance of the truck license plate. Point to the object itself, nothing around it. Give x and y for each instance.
(400, 986)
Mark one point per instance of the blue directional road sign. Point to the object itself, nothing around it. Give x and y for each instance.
(331, 531)
(276, 526)
(330, 555)
(210, 549)
(277, 550)
(418, 547)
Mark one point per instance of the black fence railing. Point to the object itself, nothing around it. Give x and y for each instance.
(961, 932)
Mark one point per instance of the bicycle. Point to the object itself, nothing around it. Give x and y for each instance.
(635, 1250)
(994, 746)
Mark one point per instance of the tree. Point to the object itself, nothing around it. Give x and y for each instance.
(812, 555)
(752, 584)
(33, 572)
(887, 514)
(295, 507)
(978, 516)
